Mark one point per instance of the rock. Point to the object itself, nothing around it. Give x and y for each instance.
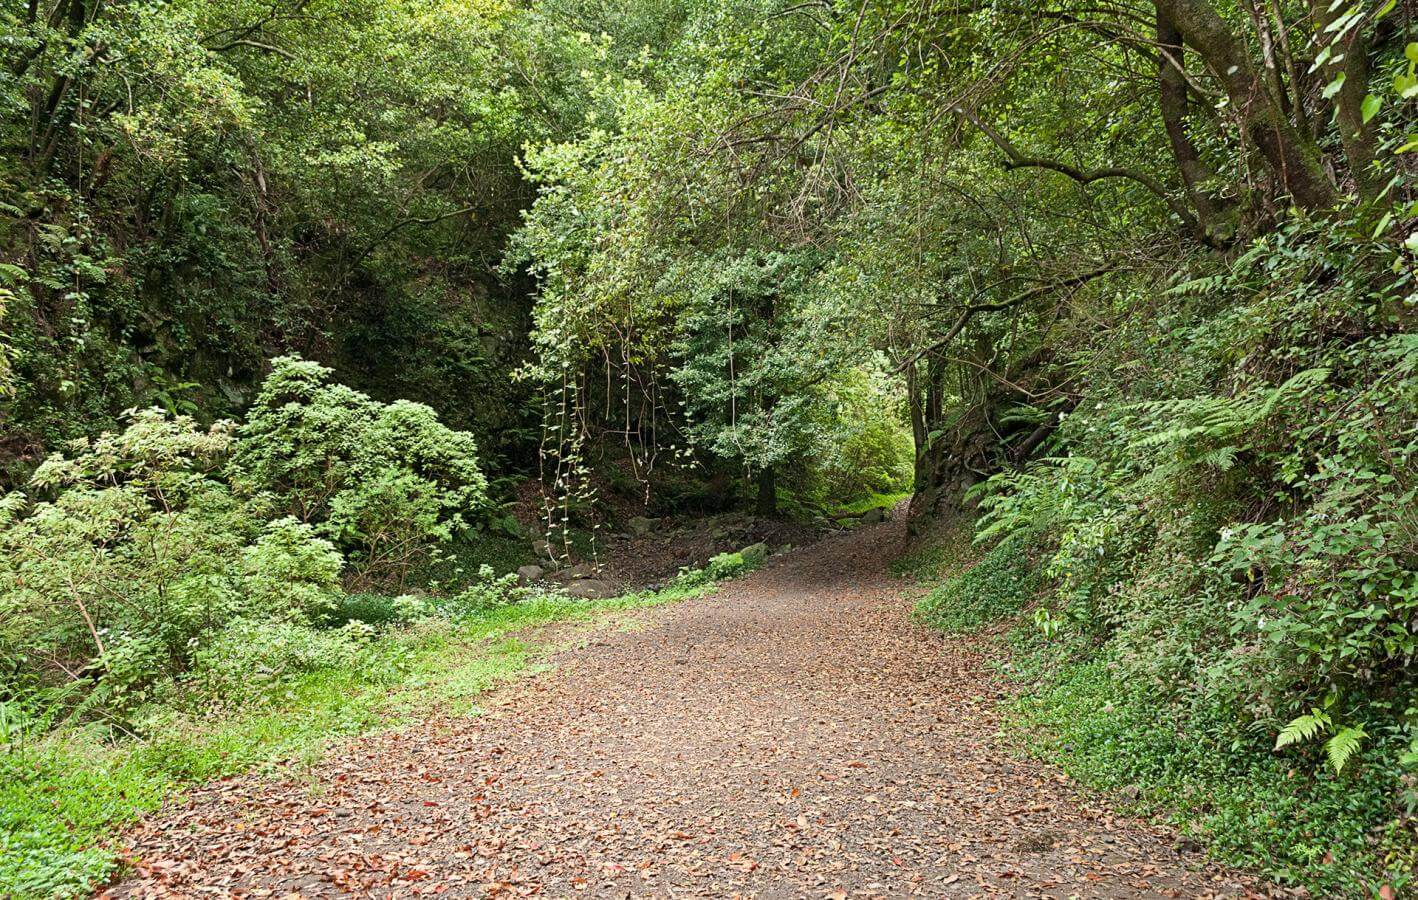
(874, 516)
(641, 526)
(529, 574)
(1039, 842)
(578, 571)
(593, 589)
(542, 548)
(755, 554)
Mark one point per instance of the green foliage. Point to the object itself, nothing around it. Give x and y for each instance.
(291, 574)
(1250, 809)
(721, 568)
(138, 553)
(385, 482)
(1003, 581)
(1245, 551)
(188, 187)
(869, 451)
(161, 549)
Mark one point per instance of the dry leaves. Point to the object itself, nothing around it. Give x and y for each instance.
(795, 736)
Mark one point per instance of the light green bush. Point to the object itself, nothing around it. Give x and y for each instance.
(290, 573)
(136, 552)
(385, 482)
(723, 567)
(129, 552)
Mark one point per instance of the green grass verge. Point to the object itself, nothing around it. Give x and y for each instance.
(1248, 807)
(941, 554)
(62, 794)
(1000, 584)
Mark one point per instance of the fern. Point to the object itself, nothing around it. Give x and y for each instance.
(1303, 728)
(1196, 286)
(1342, 747)
(1207, 430)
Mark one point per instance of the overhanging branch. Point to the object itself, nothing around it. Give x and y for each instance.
(1019, 160)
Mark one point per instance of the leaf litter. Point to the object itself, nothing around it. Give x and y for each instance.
(794, 735)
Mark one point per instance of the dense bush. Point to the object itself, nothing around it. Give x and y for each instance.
(1242, 559)
(167, 545)
(384, 481)
(139, 550)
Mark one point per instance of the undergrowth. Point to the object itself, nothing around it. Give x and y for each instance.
(1334, 833)
(873, 501)
(1000, 584)
(1331, 833)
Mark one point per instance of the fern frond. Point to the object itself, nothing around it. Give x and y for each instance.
(1222, 458)
(1295, 387)
(1302, 728)
(1342, 747)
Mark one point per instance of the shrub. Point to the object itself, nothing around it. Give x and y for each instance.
(133, 547)
(723, 567)
(1244, 552)
(245, 660)
(134, 555)
(290, 573)
(385, 482)
(482, 593)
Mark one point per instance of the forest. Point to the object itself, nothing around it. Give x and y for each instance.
(346, 343)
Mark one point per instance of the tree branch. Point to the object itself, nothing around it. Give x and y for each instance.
(1022, 297)
(1018, 160)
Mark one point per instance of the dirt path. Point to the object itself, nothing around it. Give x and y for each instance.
(794, 736)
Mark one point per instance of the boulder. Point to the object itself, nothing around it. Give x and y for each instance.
(641, 526)
(874, 516)
(755, 554)
(578, 571)
(593, 589)
(529, 574)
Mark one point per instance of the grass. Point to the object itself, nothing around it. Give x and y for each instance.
(1250, 808)
(872, 501)
(63, 793)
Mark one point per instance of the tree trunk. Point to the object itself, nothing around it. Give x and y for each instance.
(1290, 155)
(1355, 135)
(767, 492)
(1216, 216)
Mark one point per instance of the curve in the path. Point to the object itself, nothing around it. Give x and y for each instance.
(792, 736)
